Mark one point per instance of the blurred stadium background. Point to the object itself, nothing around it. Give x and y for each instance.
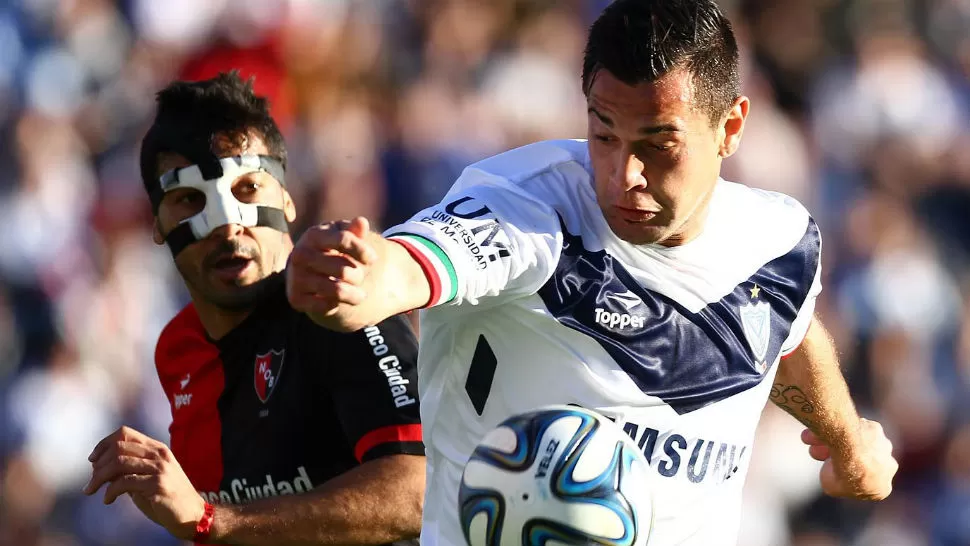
(860, 109)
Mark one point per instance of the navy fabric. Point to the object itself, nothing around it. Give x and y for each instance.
(688, 360)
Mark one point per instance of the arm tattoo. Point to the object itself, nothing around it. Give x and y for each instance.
(793, 400)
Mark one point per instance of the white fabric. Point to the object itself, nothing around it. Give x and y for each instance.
(513, 203)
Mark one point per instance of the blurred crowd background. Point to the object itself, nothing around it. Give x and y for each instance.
(860, 110)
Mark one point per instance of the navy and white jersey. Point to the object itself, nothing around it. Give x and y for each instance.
(535, 301)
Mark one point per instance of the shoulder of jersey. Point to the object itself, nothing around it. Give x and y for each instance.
(771, 201)
(183, 336)
(773, 218)
(526, 162)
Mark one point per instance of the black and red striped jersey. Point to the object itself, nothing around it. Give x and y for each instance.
(281, 405)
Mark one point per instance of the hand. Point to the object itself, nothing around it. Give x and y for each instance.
(145, 469)
(327, 270)
(868, 475)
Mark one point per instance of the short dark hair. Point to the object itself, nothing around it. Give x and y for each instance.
(639, 41)
(191, 113)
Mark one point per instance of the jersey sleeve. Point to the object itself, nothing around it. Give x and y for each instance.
(813, 254)
(489, 241)
(374, 383)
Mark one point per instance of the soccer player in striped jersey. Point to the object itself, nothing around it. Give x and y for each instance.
(282, 432)
(620, 273)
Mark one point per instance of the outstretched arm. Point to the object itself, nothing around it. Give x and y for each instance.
(483, 245)
(809, 385)
(378, 502)
(346, 277)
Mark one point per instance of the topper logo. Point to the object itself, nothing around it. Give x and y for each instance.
(617, 321)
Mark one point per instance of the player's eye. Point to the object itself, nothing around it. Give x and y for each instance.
(605, 138)
(246, 189)
(189, 198)
(657, 146)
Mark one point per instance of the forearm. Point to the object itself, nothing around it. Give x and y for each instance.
(401, 283)
(809, 385)
(376, 503)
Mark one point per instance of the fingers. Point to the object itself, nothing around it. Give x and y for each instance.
(817, 449)
(359, 226)
(125, 451)
(104, 444)
(131, 463)
(347, 239)
(123, 434)
(121, 448)
(117, 469)
(831, 484)
(316, 308)
(809, 438)
(130, 483)
(328, 267)
(323, 266)
(866, 473)
(322, 296)
(319, 280)
(819, 452)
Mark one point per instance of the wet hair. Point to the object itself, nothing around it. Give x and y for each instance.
(639, 41)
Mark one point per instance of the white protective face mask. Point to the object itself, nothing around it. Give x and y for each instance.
(221, 205)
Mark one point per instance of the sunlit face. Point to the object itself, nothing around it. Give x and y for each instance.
(655, 156)
(224, 269)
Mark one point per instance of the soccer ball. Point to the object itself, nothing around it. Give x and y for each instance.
(558, 474)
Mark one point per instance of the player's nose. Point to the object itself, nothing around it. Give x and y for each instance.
(226, 231)
(628, 172)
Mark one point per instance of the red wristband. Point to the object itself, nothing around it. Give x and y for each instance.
(205, 525)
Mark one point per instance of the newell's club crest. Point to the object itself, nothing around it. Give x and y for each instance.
(756, 321)
(266, 373)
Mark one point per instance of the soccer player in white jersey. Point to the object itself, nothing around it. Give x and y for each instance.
(619, 273)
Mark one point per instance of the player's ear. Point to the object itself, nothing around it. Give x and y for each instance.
(157, 232)
(289, 208)
(732, 127)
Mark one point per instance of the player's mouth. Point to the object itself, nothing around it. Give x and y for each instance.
(231, 267)
(635, 216)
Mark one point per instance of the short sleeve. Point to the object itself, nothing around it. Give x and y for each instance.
(803, 319)
(374, 383)
(488, 241)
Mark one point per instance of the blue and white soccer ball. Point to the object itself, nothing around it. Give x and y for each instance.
(559, 474)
